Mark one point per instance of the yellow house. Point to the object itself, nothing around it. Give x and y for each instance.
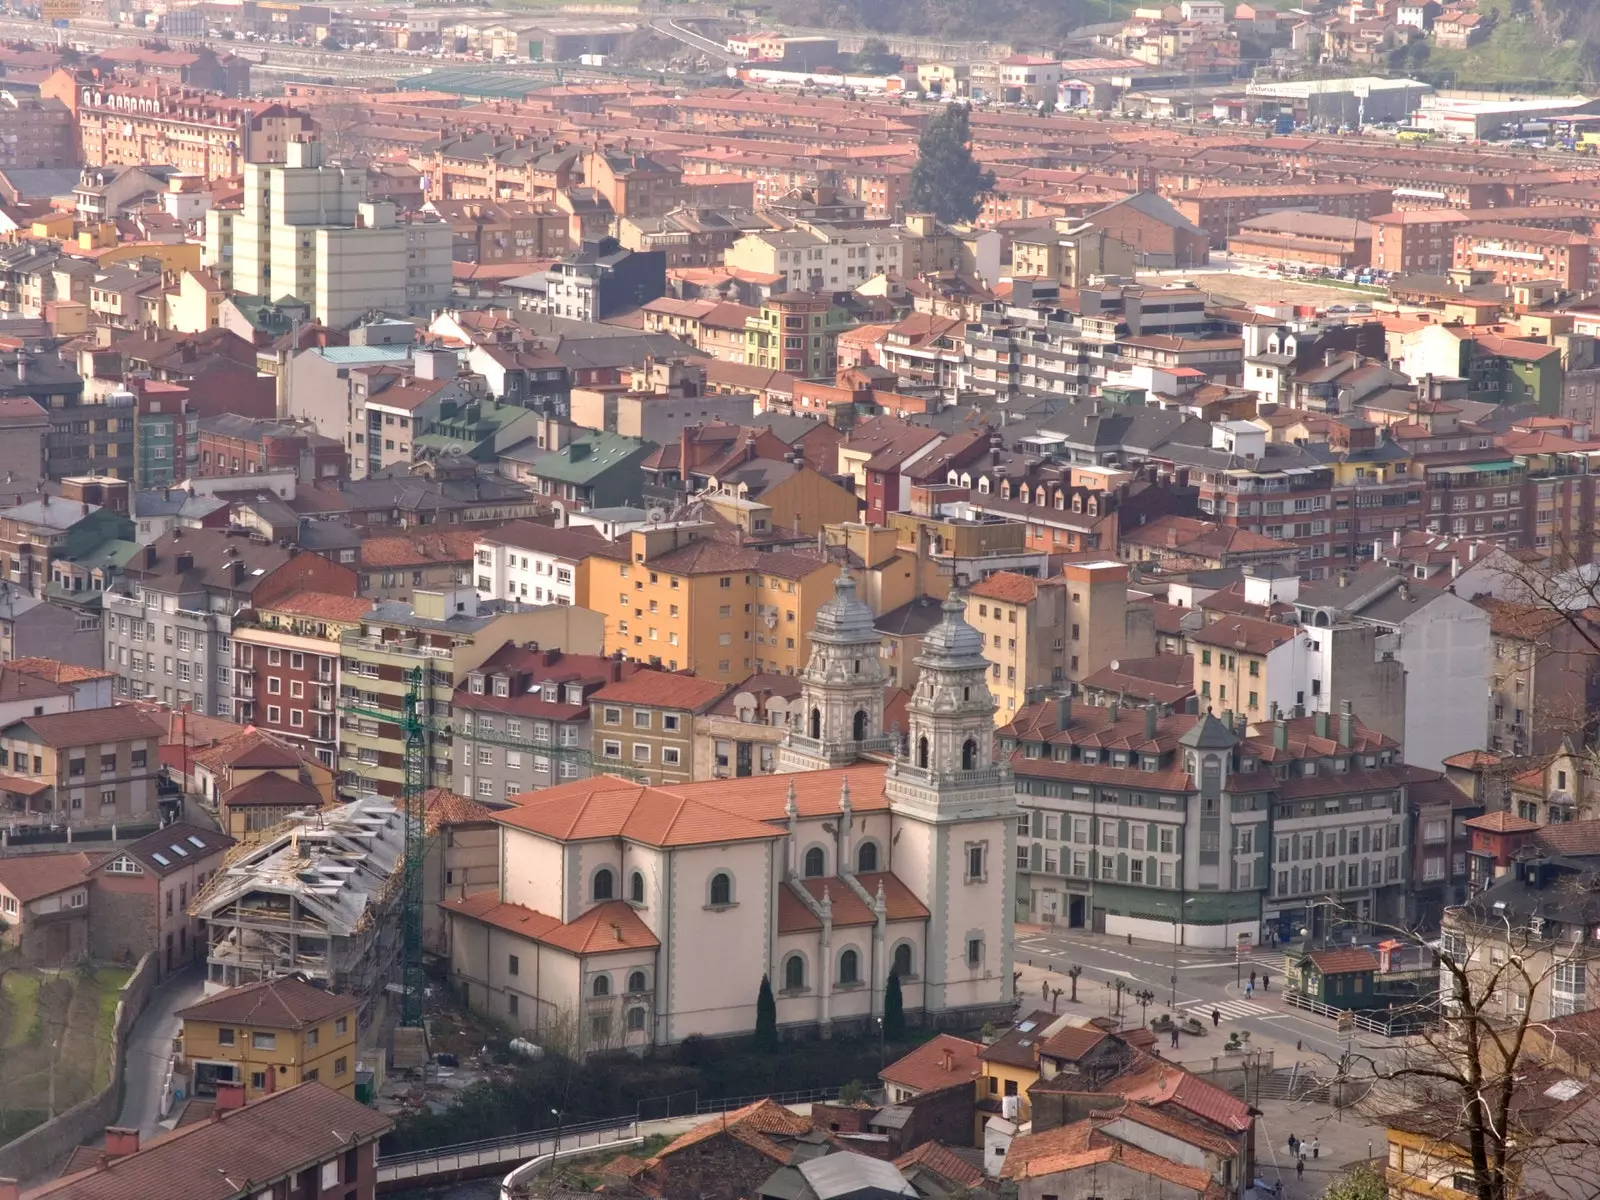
(173, 256)
(1424, 1167)
(270, 1036)
(1046, 633)
(688, 600)
(803, 502)
(1247, 664)
(1010, 1066)
(197, 304)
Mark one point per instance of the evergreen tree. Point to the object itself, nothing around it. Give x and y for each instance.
(766, 1017)
(1362, 1182)
(894, 1010)
(947, 180)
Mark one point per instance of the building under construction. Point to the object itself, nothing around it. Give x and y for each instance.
(319, 897)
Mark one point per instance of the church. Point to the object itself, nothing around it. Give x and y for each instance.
(631, 916)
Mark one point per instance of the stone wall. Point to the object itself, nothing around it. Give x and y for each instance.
(124, 925)
(40, 1151)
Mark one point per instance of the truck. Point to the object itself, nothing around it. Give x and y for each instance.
(1283, 123)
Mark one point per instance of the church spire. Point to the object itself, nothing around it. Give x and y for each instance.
(841, 687)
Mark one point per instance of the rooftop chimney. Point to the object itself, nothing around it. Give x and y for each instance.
(1150, 722)
(1347, 723)
(10, 1189)
(121, 1142)
(230, 1095)
(1319, 722)
(1063, 712)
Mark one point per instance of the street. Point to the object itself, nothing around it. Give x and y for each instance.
(1204, 979)
(150, 1047)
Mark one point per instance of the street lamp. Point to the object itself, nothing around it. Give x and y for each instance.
(1145, 997)
(1120, 987)
(1177, 924)
(556, 1153)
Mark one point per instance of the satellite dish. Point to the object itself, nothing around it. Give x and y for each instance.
(656, 515)
(1115, 665)
(455, 448)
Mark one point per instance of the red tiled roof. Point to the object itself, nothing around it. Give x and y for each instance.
(91, 726)
(274, 1137)
(56, 671)
(1502, 822)
(610, 808)
(663, 689)
(288, 1003)
(418, 549)
(323, 606)
(942, 1161)
(1343, 961)
(442, 807)
(750, 1125)
(1008, 586)
(925, 1069)
(30, 876)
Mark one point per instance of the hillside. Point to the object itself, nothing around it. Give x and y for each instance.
(1029, 21)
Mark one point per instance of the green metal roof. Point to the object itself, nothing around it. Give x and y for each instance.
(601, 452)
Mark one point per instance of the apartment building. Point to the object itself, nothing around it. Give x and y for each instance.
(434, 641)
(1541, 678)
(1046, 634)
(739, 734)
(37, 132)
(88, 769)
(818, 258)
(685, 598)
(1417, 241)
(643, 725)
(539, 564)
(270, 1035)
(286, 668)
(142, 895)
(1519, 254)
(195, 132)
(1250, 665)
(169, 618)
(1200, 828)
(1219, 209)
(307, 229)
(521, 719)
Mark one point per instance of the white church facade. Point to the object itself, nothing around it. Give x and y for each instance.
(631, 916)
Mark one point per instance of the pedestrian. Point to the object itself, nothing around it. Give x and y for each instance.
(1216, 1017)
(1300, 1168)
(1294, 1146)
(1249, 990)
(1315, 1148)
(1264, 981)
(1174, 1037)
(1252, 979)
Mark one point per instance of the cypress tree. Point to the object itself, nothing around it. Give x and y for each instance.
(766, 1017)
(894, 1010)
(947, 180)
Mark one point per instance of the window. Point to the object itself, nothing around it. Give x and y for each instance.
(974, 952)
(794, 973)
(637, 982)
(975, 862)
(513, 964)
(341, 1026)
(603, 881)
(635, 1019)
(816, 864)
(341, 1065)
(263, 1041)
(601, 986)
(849, 967)
(721, 889)
(867, 857)
(902, 960)
(224, 1037)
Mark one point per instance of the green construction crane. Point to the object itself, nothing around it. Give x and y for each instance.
(416, 732)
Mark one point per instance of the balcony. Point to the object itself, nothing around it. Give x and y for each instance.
(400, 648)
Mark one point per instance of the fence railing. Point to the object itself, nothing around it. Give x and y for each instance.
(1402, 1024)
(499, 1149)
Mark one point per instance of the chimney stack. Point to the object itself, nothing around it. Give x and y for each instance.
(1150, 722)
(121, 1141)
(230, 1095)
(1347, 723)
(1319, 722)
(10, 1189)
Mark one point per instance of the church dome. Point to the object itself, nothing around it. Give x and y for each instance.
(845, 619)
(953, 644)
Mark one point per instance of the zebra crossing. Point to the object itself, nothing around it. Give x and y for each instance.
(1231, 1010)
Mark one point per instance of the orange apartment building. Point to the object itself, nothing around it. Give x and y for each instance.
(156, 123)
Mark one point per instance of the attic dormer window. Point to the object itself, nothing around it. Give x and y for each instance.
(475, 684)
(574, 693)
(1309, 767)
(502, 686)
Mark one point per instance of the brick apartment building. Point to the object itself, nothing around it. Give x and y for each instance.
(88, 769)
(1220, 210)
(1517, 254)
(235, 445)
(1419, 240)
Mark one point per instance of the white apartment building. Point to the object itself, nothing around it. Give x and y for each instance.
(307, 230)
(536, 564)
(819, 258)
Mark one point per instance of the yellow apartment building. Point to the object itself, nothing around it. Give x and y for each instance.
(1045, 633)
(688, 600)
(269, 1036)
(1246, 665)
